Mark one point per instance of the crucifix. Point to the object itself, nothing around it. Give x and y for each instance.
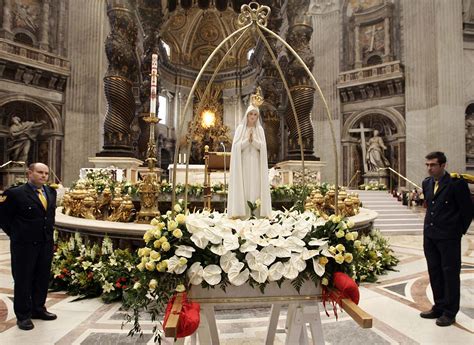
(362, 132)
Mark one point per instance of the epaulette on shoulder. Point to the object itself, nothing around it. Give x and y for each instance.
(467, 177)
(427, 178)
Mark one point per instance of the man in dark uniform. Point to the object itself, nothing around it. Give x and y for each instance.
(27, 217)
(448, 216)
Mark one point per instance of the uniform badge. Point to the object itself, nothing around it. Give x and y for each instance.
(3, 198)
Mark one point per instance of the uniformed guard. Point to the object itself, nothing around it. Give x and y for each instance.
(449, 212)
(27, 217)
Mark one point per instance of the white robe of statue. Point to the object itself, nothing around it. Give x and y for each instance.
(249, 170)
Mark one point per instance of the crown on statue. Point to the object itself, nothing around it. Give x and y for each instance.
(256, 99)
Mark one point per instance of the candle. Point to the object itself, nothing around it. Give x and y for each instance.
(153, 82)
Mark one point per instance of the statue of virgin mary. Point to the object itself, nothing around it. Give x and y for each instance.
(249, 169)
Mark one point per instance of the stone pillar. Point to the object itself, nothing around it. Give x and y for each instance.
(6, 31)
(434, 88)
(327, 28)
(44, 28)
(387, 39)
(85, 105)
(358, 63)
(61, 28)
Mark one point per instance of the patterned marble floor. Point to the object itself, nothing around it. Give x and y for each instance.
(394, 302)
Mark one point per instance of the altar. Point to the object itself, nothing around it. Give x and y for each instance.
(196, 174)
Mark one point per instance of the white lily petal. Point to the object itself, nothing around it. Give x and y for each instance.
(318, 268)
(275, 272)
(259, 273)
(185, 251)
(317, 242)
(248, 246)
(251, 259)
(289, 271)
(297, 262)
(308, 254)
(219, 250)
(236, 276)
(194, 273)
(212, 274)
(231, 242)
(227, 260)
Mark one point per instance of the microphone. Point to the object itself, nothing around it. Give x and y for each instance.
(223, 146)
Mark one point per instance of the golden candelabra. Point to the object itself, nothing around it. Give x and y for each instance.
(347, 204)
(148, 189)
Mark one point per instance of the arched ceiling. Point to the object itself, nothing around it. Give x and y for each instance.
(194, 33)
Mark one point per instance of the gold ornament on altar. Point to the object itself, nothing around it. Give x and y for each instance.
(348, 204)
(256, 99)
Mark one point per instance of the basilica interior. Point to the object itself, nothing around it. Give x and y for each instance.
(391, 80)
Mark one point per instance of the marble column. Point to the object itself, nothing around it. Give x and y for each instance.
(44, 33)
(327, 29)
(6, 31)
(61, 28)
(85, 100)
(433, 59)
(358, 63)
(387, 39)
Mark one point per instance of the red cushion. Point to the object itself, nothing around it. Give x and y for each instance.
(347, 286)
(189, 317)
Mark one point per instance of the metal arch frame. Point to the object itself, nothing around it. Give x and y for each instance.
(257, 22)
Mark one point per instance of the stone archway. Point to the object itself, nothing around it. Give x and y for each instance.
(48, 144)
(392, 128)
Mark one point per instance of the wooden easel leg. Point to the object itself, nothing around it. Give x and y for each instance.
(208, 311)
(274, 317)
(315, 325)
(295, 328)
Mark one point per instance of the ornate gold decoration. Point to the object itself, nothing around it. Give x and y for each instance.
(254, 12)
(347, 204)
(257, 98)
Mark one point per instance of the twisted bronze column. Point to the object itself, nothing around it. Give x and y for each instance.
(301, 89)
(120, 50)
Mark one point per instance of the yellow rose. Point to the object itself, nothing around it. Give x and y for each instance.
(154, 221)
(337, 219)
(140, 252)
(180, 201)
(146, 251)
(339, 258)
(332, 250)
(361, 248)
(349, 236)
(357, 244)
(177, 208)
(137, 285)
(163, 239)
(161, 267)
(177, 233)
(183, 261)
(180, 288)
(348, 258)
(157, 233)
(157, 244)
(147, 236)
(161, 226)
(150, 266)
(141, 266)
(323, 260)
(340, 234)
(172, 225)
(153, 284)
(180, 218)
(325, 281)
(350, 224)
(165, 263)
(165, 246)
(355, 234)
(155, 256)
(342, 226)
(340, 247)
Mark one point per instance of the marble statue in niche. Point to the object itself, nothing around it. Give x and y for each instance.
(375, 153)
(22, 135)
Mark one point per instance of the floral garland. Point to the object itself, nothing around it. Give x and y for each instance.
(373, 186)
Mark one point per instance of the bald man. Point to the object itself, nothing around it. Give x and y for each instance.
(27, 217)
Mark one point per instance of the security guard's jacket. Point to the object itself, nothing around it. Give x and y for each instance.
(23, 217)
(449, 212)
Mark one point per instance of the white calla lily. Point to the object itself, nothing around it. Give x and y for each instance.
(212, 274)
(236, 276)
(248, 246)
(289, 271)
(227, 260)
(219, 250)
(275, 272)
(195, 273)
(318, 242)
(185, 251)
(259, 273)
(318, 268)
(200, 240)
(308, 254)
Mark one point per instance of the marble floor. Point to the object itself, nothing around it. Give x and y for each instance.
(394, 302)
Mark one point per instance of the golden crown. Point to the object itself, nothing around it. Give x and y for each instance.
(256, 99)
